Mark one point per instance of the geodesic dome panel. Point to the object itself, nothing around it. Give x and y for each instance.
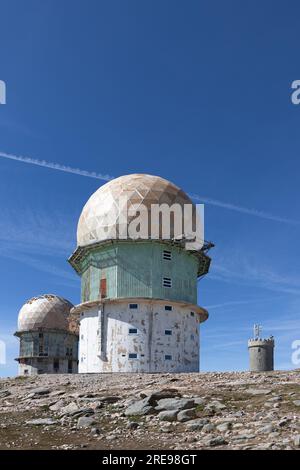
(45, 312)
(105, 213)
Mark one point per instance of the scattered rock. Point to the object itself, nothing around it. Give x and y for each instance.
(69, 409)
(209, 427)
(85, 421)
(167, 415)
(174, 404)
(132, 425)
(224, 427)
(217, 441)
(160, 394)
(267, 429)
(186, 415)
(258, 391)
(140, 408)
(196, 424)
(40, 391)
(42, 422)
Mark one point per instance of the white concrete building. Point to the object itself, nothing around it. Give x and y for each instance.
(48, 337)
(139, 309)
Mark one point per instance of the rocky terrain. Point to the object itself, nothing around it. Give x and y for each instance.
(151, 411)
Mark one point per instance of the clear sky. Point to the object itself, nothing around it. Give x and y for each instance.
(197, 92)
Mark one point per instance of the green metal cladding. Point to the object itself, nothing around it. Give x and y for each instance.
(137, 270)
(55, 344)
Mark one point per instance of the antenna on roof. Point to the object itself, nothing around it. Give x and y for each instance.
(257, 330)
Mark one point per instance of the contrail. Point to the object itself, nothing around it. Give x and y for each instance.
(195, 197)
(244, 210)
(56, 166)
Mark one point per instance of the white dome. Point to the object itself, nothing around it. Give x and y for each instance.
(45, 312)
(104, 209)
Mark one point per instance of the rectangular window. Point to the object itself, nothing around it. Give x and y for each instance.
(169, 308)
(192, 314)
(102, 288)
(167, 282)
(56, 365)
(168, 357)
(133, 306)
(132, 355)
(168, 332)
(167, 255)
(132, 331)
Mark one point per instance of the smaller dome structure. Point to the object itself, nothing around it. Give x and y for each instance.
(47, 312)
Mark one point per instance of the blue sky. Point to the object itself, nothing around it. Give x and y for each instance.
(197, 92)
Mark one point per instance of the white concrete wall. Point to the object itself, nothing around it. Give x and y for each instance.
(150, 343)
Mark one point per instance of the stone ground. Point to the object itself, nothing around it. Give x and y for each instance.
(151, 411)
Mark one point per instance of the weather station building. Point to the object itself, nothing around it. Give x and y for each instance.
(138, 310)
(48, 337)
(261, 351)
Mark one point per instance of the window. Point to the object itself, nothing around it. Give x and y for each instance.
(168, 332)
(41, 335)
(133, 306)
(167, 255)
(192, 337)
(168, 357)
(167, 282)
(81, 336)
(132, 355)
(192, 314)
(169, 308)
(56, 365)
(132, 331)
(102, 288)
(70, 367)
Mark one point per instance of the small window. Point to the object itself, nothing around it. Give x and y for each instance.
(192, 314)
(167, 255)
(168, 357)
(133, 306)
(169, 308)
(192, 337)
(41, 335)
(132, 355)
(132, 331)
(81, 336)
(167, 282)
(168, 332)
(123, 355)
(82, 359)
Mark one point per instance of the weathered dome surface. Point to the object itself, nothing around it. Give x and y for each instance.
(106, 208)
(45, 312)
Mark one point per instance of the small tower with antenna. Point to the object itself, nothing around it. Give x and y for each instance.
(261, 351)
